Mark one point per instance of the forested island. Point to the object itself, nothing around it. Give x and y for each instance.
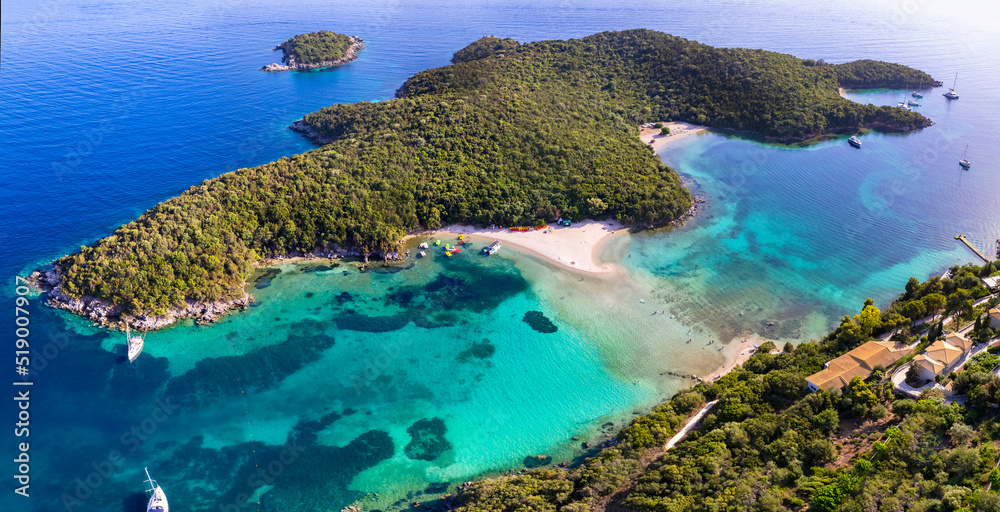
(316, 50)
(509, 134)
(770, 445)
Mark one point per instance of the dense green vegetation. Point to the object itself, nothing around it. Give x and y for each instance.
(316, 47)
(769, 445)
(510, 134)
(656, 76)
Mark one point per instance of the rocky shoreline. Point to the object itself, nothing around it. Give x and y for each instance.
(309, 133)
(48, 280)
(101, 312)
(291, 65)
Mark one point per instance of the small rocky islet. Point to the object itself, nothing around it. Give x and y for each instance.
(316, 50)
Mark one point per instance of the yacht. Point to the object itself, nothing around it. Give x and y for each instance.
(157, 498)
(854, 141)
(135, 344)
(965, 162)
(951, 94)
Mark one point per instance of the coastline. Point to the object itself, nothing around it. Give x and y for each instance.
(678, 130)
(570, 247)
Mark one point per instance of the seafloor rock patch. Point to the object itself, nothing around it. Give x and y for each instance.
(478, 350)
(313, 268)
(220, 377)
(427, 439)
(266, 276)
(539, 322)
(365, 323)
(537, 461)
(386, 269)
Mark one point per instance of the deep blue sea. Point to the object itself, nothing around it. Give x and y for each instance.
(380, 389)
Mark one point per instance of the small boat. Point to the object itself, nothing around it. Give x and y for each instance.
(157, 498)
(903, 105)
(135, 344)
(913, 103)
(423, 254)
(492, 249)
(423, 245)
(964, 162)
(951, 94)
(916, 94)
(854, 141)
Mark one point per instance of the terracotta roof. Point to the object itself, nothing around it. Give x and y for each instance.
(876, 353)
(857, 363)
(995, 313)
(933, 365)
(958, 341)
(831, 379)
(944, 352)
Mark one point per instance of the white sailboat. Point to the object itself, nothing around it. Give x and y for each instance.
(157, 498)
(964, 162)
(135, 343)
(951, 94)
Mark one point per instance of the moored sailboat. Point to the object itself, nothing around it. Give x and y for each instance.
(157, 498)
(951, 94)
(964, 162)
(135, 343)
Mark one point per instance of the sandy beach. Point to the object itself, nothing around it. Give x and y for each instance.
(738, 352)
(678, 130)
(572, 247)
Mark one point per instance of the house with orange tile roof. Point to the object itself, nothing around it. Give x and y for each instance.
(943, 355)
(859, 362)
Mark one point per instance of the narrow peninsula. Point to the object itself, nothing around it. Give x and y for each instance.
(316, 50)
(509, 134)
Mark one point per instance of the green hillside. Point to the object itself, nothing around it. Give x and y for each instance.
(510, 134)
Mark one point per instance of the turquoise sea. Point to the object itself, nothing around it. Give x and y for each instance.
(387, 386)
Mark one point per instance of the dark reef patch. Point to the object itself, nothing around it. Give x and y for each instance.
(264, 277)
(479, 350)
(436, 488)
(343, 298)
(219, 377)
(310, 473)
(305, 431)
(311, 269)
(539, 322)
(400, 298)
(466, 286)
(427, 441)
(537, 461)
(386, 269)
(365, 323)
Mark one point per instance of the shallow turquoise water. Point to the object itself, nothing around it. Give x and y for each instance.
(137, 102)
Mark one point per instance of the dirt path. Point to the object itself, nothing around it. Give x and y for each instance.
(613, 503)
